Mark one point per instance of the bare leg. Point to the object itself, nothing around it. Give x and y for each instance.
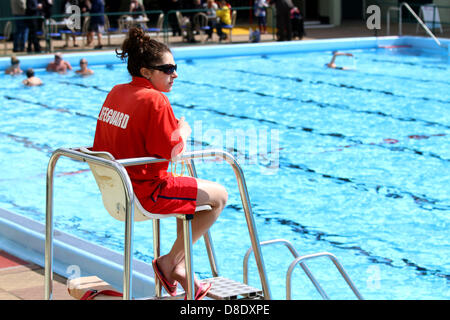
(172, 264)
(99, 38)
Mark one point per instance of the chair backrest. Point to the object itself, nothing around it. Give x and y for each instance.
(107, 26)
(7, 30)
(233, 17)
(159, 23)
(52, 26)
(113, 192)
(200, 20)
(181, 21)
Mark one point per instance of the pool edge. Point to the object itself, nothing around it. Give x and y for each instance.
(227, 50)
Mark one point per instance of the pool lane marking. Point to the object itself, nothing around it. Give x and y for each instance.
(321, 105)
(309, 130)
(403, 78)
(426, 66)
(61, 110)
(390, 75)
(419, 199)
(386, 144)
(26, 142)
(322, 236)
(85, 86)
(340, 85)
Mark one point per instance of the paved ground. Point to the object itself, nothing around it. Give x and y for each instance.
(21, 280)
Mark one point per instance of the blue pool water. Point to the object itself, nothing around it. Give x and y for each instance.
(355, 163)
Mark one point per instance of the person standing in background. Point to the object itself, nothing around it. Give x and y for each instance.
(46, 8)
(173, 5)
(284, 26)
(20, 26)
(32, 10)
(96, 25)
(260, 13)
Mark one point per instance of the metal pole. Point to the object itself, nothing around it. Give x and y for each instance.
(316, 255)
(245, 198)
(129, 219)
(187, 235)
(295, 254)
(211, 254)
(156, 252)
(48, 279)
(420, 22)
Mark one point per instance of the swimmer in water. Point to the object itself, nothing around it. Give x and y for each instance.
(15, 67)
(84, 70)
(59, 65)
(31, 80)
(332, 65)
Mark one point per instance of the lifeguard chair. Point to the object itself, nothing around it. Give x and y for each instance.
(121, 203)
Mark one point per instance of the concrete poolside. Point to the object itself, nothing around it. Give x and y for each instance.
(22, 280)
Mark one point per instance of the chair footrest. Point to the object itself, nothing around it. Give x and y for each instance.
(227, 289)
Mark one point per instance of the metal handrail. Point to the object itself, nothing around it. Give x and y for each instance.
(388, 18)
(129, 197)
(295, 254)
(400, 22)
(119, 165)
(316, 255)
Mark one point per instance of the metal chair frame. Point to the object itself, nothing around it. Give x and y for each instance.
(119, 167)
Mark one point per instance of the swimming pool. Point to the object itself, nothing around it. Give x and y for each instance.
(356, 163)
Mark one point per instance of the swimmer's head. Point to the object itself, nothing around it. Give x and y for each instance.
(14, 60)
(83, 61)
(30, 73)
(58, 56)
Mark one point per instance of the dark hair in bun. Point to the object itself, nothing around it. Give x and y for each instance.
(141, 51)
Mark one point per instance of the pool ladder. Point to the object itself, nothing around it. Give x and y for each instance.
(222, 288)
(419, 21)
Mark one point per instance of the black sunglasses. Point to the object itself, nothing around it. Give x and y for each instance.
(166, 68)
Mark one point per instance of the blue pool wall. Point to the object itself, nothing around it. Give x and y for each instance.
(25, 238)
(216, 51)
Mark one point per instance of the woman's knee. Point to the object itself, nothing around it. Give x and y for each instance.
(223, 195)
(212, 193)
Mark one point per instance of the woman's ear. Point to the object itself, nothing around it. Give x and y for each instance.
(146, 73)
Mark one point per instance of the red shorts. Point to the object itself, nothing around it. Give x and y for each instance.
(174, 195)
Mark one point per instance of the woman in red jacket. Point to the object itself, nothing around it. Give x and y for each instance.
(137, 120)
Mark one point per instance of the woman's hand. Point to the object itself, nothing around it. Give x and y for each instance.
(185, 129)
